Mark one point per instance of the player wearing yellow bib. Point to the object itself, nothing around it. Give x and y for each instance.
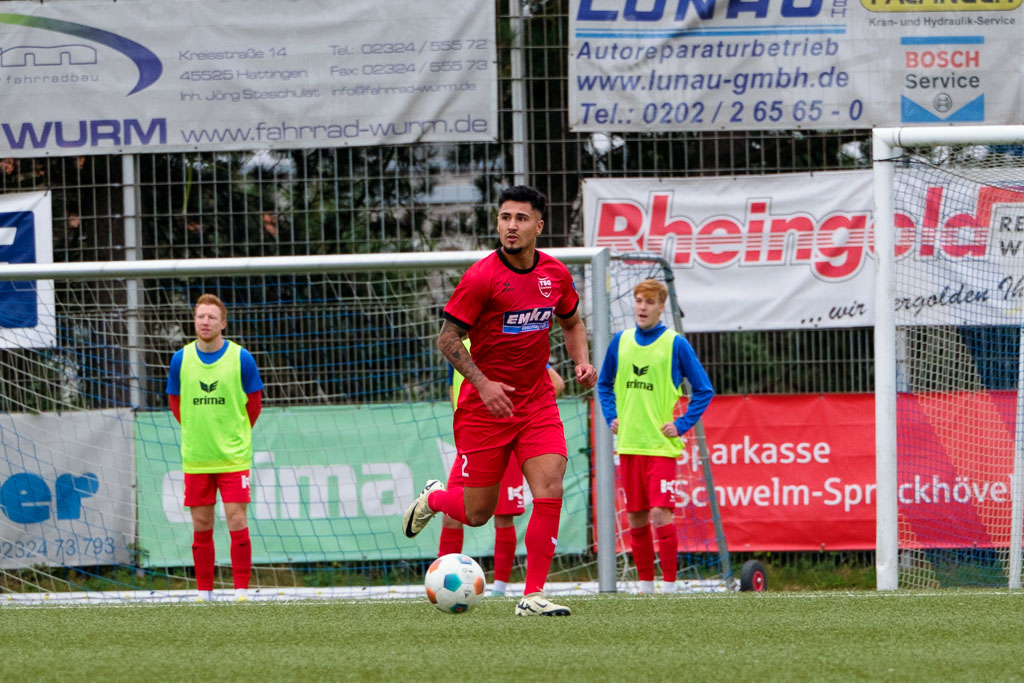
(511, 500)
(641, 381)
(215, 392)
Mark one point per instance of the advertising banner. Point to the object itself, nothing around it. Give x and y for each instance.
(958, 470)
(790, 473)
(95, 77)
(26, 236)
(659, 66)
(331, 483)
(750, 253)
(798, 473)
(66, 489)
(794, 251)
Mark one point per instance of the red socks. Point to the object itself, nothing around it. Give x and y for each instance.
(204, 555)
(203, 558)
(451, 541)
(668, 549)
(504, 552)
(241, 557)
(643, 551)
(449, 502)
(504, 548)
(541, 537)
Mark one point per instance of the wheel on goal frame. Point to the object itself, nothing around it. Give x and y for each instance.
(752, 577)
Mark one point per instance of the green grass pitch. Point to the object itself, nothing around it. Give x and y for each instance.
(944, 635)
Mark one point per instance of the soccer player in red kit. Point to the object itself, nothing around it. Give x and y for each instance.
(505, 304)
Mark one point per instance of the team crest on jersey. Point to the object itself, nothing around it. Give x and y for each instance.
(544, 283)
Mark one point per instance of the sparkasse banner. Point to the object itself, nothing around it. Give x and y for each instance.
(95, 77)
(793, 251)
(654, 66)
(790, 473)
(797, 472)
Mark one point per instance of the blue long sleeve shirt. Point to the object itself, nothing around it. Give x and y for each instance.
(684, 364)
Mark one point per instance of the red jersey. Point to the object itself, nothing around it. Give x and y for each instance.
(508, 312)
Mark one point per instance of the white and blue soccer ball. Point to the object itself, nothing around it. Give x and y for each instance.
(454, 583)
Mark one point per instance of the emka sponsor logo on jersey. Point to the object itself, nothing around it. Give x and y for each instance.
(529, 320)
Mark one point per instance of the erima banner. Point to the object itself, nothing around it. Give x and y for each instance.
(331, 483)
(794, 251)
(26, 236)
(66, 489)
(664, 65)
(92, 77)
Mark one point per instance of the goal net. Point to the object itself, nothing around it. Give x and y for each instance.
(949, 355)
(356, 418)
(704, 556)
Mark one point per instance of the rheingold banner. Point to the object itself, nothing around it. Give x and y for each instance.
(793, 251)
(331, 483)
(659, 66)
(93, 77)
(749, 253)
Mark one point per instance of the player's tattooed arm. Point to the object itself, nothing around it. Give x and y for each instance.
(493, 394)
(449, 342)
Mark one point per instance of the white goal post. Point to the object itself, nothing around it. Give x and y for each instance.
(949, 355)
(422, 278)
(356, 416)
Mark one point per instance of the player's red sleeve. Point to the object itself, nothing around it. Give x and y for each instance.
(175, 402)
(467, 300)
(570, 299)
(253, 406)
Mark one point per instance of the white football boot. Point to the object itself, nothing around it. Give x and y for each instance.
(419, 513)
(535, 605)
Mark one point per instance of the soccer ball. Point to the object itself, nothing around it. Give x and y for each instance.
(454, 583)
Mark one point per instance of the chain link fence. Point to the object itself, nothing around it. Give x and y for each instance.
(421, 197)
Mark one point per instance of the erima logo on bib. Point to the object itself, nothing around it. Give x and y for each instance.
(530, 320)
(208, 400)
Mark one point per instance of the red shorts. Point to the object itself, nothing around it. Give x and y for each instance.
(649, 481)
(510, 491)
(201, 489)
(488, 443)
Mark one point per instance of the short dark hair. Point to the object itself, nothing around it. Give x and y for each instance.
(524, 193)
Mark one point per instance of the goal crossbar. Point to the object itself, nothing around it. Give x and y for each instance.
(270, 265)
